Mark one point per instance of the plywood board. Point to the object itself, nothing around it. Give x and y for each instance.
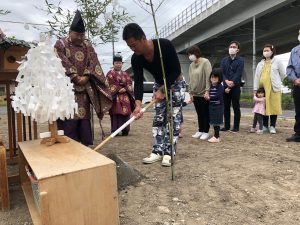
(86, 197)
(35, 216)
(3, 180)
(61, 158)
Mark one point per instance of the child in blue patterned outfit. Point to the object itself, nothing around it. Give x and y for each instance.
(216, 103)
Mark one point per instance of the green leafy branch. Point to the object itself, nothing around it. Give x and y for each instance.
(103, 19)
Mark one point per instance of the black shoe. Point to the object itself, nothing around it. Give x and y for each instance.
(234, 130)
(295, 138)
(125, 134)
(224, 129)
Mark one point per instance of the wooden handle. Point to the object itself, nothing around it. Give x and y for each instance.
(122, 127)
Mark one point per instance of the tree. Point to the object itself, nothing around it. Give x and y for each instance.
(2, 35)
(103, 19)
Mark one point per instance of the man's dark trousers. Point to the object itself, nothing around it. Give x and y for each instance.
(232, 97)
(296, 96)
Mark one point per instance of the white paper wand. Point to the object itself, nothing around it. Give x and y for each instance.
(122, 127)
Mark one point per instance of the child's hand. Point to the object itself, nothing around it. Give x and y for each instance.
(206, 95)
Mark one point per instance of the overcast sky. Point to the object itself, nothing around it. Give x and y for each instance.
(26, 12)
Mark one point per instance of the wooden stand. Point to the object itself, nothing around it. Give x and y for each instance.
(76, 185)
(12, 51)
(4, 192)
(55, 138)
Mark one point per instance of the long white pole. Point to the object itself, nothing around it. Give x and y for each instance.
(122, 127)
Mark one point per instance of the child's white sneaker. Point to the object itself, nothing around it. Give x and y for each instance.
(252, 130)
(214, 140)
(259, 131)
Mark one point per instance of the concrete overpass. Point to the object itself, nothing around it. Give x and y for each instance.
(212, 24)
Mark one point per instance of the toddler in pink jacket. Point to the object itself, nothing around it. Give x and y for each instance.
(258, 110)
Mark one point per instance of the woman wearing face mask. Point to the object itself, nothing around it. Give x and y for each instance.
(269, 75)
(199, 84)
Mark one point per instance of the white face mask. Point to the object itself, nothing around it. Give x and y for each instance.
(267, 54)
(299, 37)
(232, 51)
(214, 82)
(193, 58)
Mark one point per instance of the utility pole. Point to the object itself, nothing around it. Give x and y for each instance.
(254, 48)
(113, 41)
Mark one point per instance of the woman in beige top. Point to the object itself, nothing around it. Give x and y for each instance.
(199, 85)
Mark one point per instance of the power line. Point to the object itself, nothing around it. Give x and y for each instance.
(18, 22)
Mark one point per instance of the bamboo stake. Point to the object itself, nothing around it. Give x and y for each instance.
(122, 127)
(169, 111)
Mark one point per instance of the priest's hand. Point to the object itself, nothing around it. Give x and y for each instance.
(122, 90)
(137, 111)
(83, 80)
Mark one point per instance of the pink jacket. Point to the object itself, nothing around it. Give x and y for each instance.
(259, 106)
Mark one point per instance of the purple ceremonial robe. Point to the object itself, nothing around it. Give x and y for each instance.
(123, 103)
(82, 61)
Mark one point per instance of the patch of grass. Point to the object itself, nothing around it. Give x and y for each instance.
(287, 101)
(247, 100)
(2, 100)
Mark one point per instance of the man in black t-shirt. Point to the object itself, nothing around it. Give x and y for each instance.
(146, 56)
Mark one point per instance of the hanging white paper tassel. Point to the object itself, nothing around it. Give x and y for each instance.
(44, 92)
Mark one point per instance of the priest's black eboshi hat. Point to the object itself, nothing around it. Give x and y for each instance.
(77, 23)
(117, 58)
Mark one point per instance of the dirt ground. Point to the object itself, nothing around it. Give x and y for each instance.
(245, 179)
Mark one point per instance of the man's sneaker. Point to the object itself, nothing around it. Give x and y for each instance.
(265, 129)
(295, 138)
(214, 140)
(224, 129)
(152, 158)
(197, 134)
(252, 130)
(234, 130)
(166, 160)
(259, 131)
(204, 136)
(272, 130)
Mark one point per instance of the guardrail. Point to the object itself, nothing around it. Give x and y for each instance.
(185, 16)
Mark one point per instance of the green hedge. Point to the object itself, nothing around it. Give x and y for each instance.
(247, 100)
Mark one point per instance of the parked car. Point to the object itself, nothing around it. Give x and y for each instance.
(148, 92)
(285, 89)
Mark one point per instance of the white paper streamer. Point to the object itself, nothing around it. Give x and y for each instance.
(44, 92)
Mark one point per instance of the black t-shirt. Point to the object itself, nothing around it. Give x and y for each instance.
(171, 63)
